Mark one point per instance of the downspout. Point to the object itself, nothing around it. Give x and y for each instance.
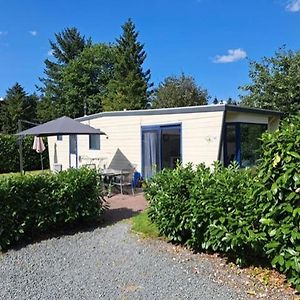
(222, 136)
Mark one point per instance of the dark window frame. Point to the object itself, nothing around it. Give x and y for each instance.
(238, 150)
(92, 146)
(159, 128)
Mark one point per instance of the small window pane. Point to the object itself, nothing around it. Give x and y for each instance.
(251, 143)
(94, 141)
(59, 138)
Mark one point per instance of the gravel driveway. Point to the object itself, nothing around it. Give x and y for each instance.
(111, 262)
(108, 263)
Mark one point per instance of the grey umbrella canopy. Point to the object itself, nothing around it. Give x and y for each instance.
(60, 126)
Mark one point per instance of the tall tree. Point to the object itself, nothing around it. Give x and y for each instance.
(17, 105)
(68, 45)
(275, 83)
(129, 88)
(84, 80)
(179, 91)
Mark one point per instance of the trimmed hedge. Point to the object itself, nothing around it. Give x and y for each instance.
(9, 155)
(30, 204)
(234, 211)
(276, 193)
(205, 209)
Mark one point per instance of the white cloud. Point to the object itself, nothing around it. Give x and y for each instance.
(232, 56)
(33, 32)
(293, 6)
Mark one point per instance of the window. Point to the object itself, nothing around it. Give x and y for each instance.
(242, 143)
(250, 143)
(94, 142)
(59, 137)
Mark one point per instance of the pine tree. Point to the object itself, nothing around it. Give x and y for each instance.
(129, 88)
(68, 45)
(17, 105)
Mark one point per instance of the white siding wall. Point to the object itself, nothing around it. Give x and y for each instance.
(62, 151)
(200, 138)
(246, 117)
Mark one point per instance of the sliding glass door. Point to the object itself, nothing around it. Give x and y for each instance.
(161, 148)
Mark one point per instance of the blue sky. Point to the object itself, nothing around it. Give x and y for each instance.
(211, 40)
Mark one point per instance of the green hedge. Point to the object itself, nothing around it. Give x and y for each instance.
(30, 204)
(206, 209)
(9, 155)
(276, 193)
(236, 211)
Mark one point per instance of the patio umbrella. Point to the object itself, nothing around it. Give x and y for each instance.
(60, 126)
(39, 147)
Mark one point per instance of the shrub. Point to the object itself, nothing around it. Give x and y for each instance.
(169, 195)
(204, 208)
(222, 212)
(30, 204)
(236, 211)
(277, 195)
(9, 155)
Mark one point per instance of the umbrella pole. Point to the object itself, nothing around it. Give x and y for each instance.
(42, 161)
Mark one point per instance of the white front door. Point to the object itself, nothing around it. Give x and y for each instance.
(73, 151)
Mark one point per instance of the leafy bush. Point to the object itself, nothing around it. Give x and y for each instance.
(9, 155)
(277, 195)
(236, 211)
(169, 196)
(30, 204)
(206, 209)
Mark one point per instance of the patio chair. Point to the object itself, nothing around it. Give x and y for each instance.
(125, 179)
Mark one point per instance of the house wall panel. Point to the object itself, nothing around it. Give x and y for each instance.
(200, 138)
(246, 117)
(62, 151)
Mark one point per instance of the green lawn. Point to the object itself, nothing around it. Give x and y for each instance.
(141, 224)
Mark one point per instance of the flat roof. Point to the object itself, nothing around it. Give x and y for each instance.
(182, 110)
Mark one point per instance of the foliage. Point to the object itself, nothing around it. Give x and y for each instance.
(277, 195)
(275, 83)
(179, 91)
(9, 155)
(45, 110)
(31, 204)
(204, 208)
(142, 224)
(129, 87)
(68, 45)
(16, 105)
(241, 213)
(84, 80)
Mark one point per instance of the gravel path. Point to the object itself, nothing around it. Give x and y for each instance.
(107, 263)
